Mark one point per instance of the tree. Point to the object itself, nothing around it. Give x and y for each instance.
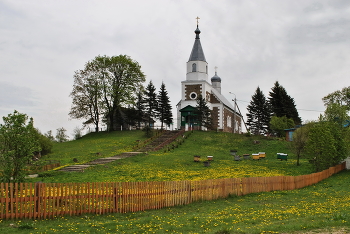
(203, 113)
(258, 113)
(18, 142)
(87, 95)
(341, 97)
(151, 104)
(49, 135)
(327, 141)
(61, 135)
(278, 124)
(140, 106)
(164, 113)
(300, 137)
(45, 144)
(282, 104)
(320, 146)
(122, 79)
(104, 87)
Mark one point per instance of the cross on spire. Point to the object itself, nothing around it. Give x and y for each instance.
(216, 69)
(197, 19)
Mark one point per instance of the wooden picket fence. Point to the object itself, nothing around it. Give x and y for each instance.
(47, 200)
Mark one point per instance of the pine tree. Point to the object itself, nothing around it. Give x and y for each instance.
(282, 104)
(203, 113)
(151, 103)
(140, 106)
(258, 114)
(164, 113)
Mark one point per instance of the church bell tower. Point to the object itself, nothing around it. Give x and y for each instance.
(197, 66)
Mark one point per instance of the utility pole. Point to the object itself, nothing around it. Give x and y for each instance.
(234, 113)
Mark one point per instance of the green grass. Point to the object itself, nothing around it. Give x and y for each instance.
(176, 164)
(94, 145)
(324, 206)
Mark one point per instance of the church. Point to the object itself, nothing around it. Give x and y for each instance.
(224, 115)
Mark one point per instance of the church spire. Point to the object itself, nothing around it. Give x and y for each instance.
(197, 53)
(197, 66)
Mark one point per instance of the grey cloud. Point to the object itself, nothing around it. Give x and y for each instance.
(334, 31)
(12, 96)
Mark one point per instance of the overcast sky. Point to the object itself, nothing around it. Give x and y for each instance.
(305, 45)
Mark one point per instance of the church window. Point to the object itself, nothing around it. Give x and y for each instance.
(208, 97)
(229, 121)
(194, 67)
(193, 95)
(206, 69)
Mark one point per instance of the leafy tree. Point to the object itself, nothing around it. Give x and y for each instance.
(258, 113)
(45, 144)
(164, 108)
(18, 142)
(282, 104)
(320, 145)
(87, 95)
(49, 135)
(77, 133)
(203, 113)
(110, 83)
(300, 137)
(341, 97)
(122, 79)
(278, 124)
(61, 135)
(151, 104)
(327, 140)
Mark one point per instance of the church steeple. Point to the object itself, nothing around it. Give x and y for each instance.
(197, 66)
(197, 53)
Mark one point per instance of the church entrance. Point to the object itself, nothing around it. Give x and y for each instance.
(189, 117)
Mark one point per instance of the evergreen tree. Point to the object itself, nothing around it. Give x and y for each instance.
(282, 104)
(258, 114)
(151, 104)
(140, 107)
(164, 113)
(203, 113)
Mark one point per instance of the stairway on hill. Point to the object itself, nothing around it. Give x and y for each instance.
(99, 161)
(166, 138)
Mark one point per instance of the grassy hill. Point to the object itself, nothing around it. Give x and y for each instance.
(320, 208)
(176, 164)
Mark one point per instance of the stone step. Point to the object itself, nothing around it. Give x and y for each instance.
(75, 168)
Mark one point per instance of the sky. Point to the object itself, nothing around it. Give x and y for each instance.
(304, 45)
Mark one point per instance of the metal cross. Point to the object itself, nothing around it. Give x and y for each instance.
(197, 19)
(216, 68)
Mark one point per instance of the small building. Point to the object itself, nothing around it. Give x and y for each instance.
(289, 134)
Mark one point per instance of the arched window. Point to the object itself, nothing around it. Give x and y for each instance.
(194, 67)
(206, 69)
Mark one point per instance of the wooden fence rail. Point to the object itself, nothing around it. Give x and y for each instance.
(47, 200)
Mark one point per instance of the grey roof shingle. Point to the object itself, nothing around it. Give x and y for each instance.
(197, 53)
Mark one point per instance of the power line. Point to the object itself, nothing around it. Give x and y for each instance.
(310, 110)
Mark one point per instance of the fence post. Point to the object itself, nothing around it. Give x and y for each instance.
(37, 199)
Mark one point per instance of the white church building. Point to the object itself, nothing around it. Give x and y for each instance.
(224, 115)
